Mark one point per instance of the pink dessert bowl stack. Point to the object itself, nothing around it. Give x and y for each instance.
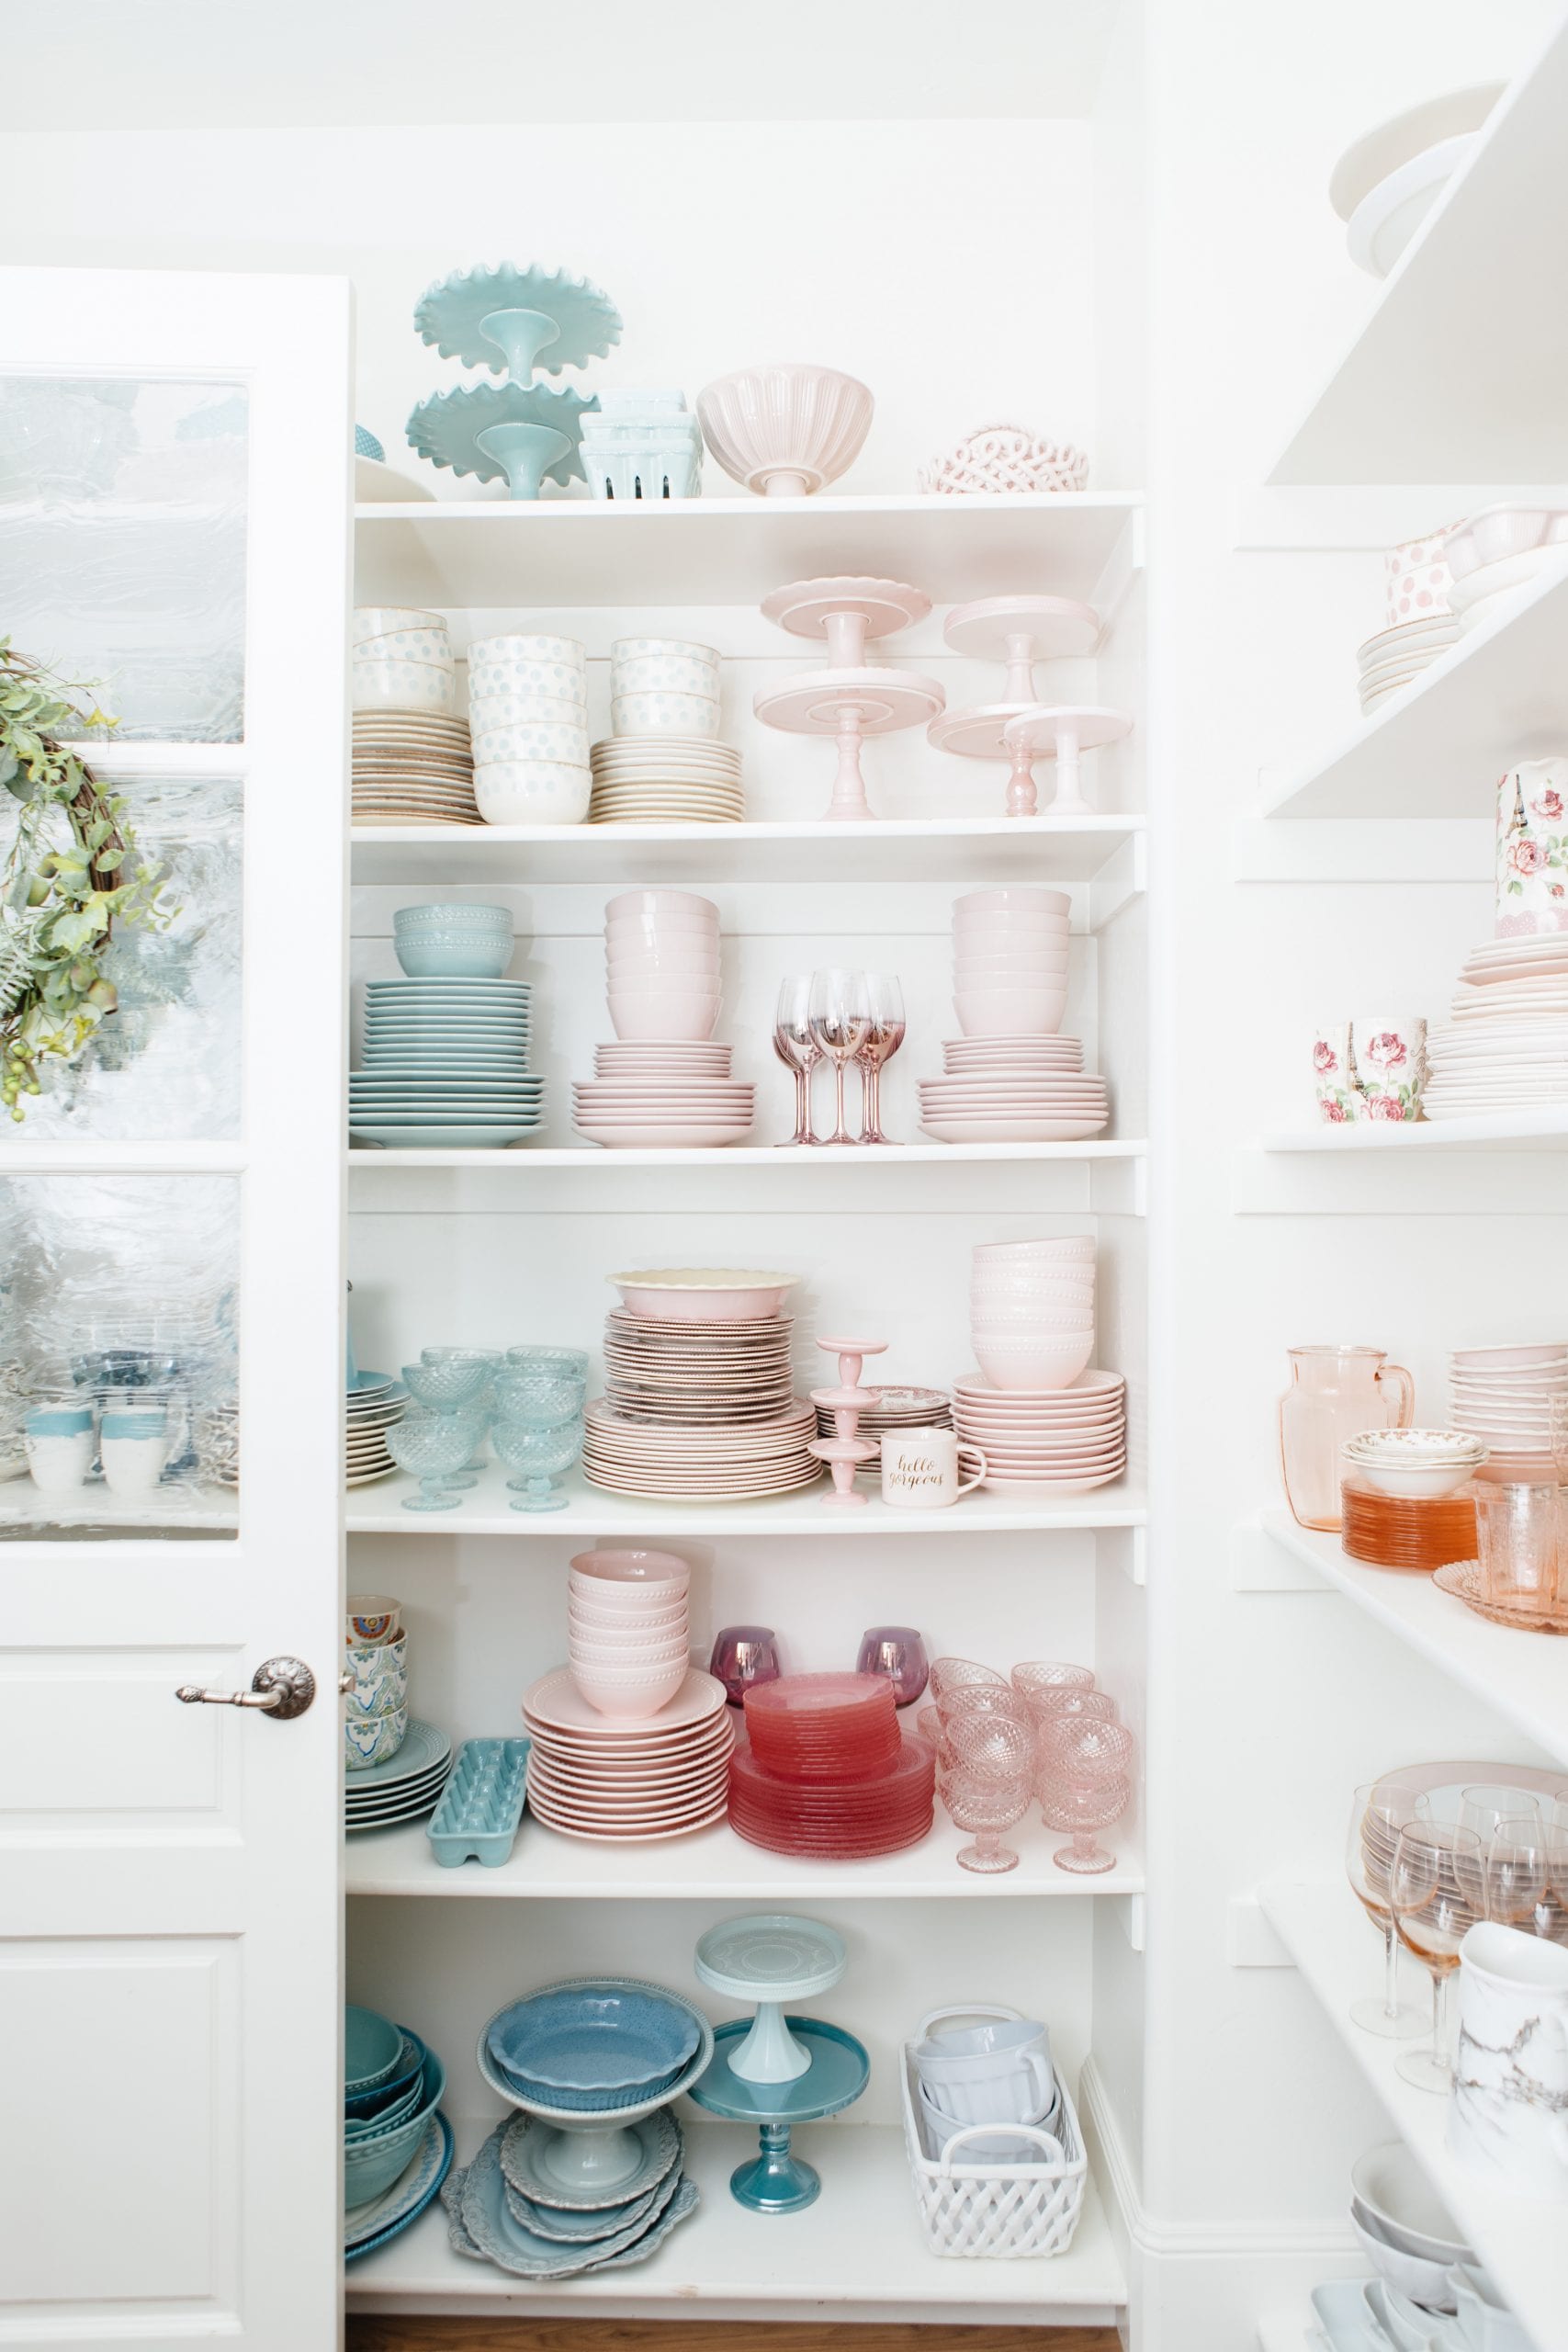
(664, 1082)
(628, 1635)
(1044, 1421)
(661, 951)
(1031, 1318)
(1010, 1078)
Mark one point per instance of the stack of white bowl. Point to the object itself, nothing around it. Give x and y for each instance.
(402, 660)
(1501, 555)
(1505, 1397)
(528, 718)
(628, 1636)
(1032, 1310)
(1010, 1078)
(662, 763)
(661, 953)
(1009, 962)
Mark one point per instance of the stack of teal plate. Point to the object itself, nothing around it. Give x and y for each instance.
(445, 1063)
(405, 1788)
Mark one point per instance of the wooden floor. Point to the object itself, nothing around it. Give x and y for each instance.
(687, 2335)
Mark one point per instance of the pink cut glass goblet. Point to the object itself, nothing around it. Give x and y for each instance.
(994, 1745)
(983, 1701)
(984, 1808)
(1082, 1813)
(1085, 1706)
(1083, 1784)
(1047, 1674)
(898, 1652)
(948, 1673)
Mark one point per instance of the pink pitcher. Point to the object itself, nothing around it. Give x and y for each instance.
(1335, 1393)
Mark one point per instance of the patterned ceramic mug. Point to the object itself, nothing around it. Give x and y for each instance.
(1532, 848)
(1373, 1066)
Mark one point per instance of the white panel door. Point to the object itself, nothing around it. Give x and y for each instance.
(174, 521)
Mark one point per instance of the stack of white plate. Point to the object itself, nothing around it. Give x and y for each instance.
(666, 779)
(727, 1461)
(1395, 656)
(1504, 1395)
(412, 767)
(628, 1782)
(1507, 1049)
(1065, 1439)
(1502, 553)
(653, 1092)
(698, 1375)
(1013, 1089)
(373, 1406)
(406, 1787)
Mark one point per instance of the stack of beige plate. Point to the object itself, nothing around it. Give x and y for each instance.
(412, 767)
(697, 1375)
(895, 1409)
(666, 780)
(720, 1462)
(1395, 656)
(628, 1780)
(372, 1408)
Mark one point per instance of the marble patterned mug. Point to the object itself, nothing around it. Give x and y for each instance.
(1508, 2108)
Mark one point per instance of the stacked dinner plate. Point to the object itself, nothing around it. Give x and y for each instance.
(1395, 656)
(1504, 1397)
(728, 1460)
(412, 767)
(405, 1788)
(1507, 1049)
(1066, 1439)
(645, 1092)
(1013, 1089)
(696, 1375)
(895, 1409)
(445, 1063)
(372, 1406)
(666, 779)
(828, 1772)
(627, 1781)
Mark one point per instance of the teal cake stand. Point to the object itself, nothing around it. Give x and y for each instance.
(516, 319)
(775, 2181)
(529, 434)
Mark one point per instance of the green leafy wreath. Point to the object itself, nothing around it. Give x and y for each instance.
(71, 873)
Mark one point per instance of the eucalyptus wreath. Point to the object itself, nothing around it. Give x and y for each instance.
(71, 873)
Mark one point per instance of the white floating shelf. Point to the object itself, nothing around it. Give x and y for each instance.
(1288, 2332)
(1502, 1130)
(1435, 749)
(959, 850)
(1326, 1933)
(486, 1510)
(726, 550)
(717, 1866)
(852, 1155)
(1523, 1676)
(859, 2249)
(1467, 290)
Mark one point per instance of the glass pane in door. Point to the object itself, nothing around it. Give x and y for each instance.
(122, 545)
(119, 1356)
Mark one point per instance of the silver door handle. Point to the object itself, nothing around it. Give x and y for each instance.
(282, 1687)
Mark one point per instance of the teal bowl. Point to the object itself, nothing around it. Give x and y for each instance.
(451, 955)
(371, 2164)
(372, 2045)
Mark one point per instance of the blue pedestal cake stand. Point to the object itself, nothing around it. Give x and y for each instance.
(529, 434)
(775, 2181)
(511, 321)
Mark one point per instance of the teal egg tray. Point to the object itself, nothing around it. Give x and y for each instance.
(482, 1804)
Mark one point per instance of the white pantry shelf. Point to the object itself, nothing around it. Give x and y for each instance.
(1106, 851)
(486, 1510)
(1523, 1676)
(743, 1154)
(1503, 1130)
(1326, 1932)
(859, 2249)
(717, 1866)
(1435, 749)
(1467, 289)
(724, 551)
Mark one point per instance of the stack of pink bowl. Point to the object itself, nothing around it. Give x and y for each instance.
(1010, 1078)
(663, 1082)
(629, 1640)
(1032, 1310)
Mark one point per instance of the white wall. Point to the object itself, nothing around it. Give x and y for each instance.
(891, 250)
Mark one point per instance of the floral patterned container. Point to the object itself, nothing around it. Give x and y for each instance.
(1371, 1067)
(1532, 848)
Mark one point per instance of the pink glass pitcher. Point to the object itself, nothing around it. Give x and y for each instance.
(1334, 1394)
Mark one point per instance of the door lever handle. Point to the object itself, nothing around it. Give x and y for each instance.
(282, 1687)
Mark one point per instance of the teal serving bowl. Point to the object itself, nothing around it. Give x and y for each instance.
(372, 2045)
(360, 2106)
(373, 2161)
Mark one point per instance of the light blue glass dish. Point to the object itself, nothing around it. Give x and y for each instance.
(513, 320)
(570, 1361)
(538, 1457)
(595, 2037)
(540, 1399)
(433, 1446)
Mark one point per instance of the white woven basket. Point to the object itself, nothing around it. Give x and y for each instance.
(972, 2211)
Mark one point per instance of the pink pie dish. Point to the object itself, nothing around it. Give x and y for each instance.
(700, 1294)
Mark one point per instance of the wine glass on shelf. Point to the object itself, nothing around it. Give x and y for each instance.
(797, 1048)
(899, 1654)
(1436, 1892)
(1379, 1811)
(1484, 1807)
(884, 1034)
(1520, 1874)
(841, 1016)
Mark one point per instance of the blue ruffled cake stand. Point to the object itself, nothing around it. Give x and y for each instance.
(775, 2181)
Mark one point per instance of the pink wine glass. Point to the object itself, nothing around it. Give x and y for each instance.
(841, 1015)
(797, 1048)
(898, 1652)
(984, 1702)
(884, 1036)
(998, 1746)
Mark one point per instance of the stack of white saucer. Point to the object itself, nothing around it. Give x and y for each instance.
(1505, 1397)
(1507, 1049)
(663, 764)
(1395, 656)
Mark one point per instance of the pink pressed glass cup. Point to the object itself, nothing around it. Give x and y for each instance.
(950, 1673)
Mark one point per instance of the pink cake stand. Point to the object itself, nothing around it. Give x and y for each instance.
(1058, 732)
(1018, 631)
(850, 699)
(844, 1451)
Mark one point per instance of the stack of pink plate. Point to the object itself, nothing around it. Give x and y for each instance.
(1505, 1397)
(722, 1462)
(1061, 1440)
(1013, 1089)
(677, 1092)
(629, 1782)
(696, 1376)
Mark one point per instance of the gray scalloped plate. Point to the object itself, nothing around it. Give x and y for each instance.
(483, 2229)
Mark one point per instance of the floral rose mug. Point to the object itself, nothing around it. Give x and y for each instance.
(1371, 1067)
(1532, 848)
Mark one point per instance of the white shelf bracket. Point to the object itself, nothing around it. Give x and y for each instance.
(1119, 1187)
(1251, 1939)
(1121, 878)
(1130, 1909)
(1127, 1548)
(1259, 1565)
(1123, 566)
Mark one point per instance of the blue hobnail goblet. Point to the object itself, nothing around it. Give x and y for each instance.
(538, 1455)
(491, 1358)
(445, 1387)
(433, 1445)
(569, 1363)
(539, 1400)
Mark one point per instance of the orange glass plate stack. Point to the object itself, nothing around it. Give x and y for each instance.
(1404, 1531)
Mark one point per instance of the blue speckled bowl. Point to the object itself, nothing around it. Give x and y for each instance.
(592, 2042)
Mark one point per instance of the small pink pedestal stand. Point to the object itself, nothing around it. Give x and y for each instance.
(850, 699)
(1058, 732)
(1019, 631)
(844, 1451)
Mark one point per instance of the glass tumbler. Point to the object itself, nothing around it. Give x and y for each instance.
(1518, 1543)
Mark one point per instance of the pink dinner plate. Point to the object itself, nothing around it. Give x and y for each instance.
(567, 1828)
(555, 1700)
